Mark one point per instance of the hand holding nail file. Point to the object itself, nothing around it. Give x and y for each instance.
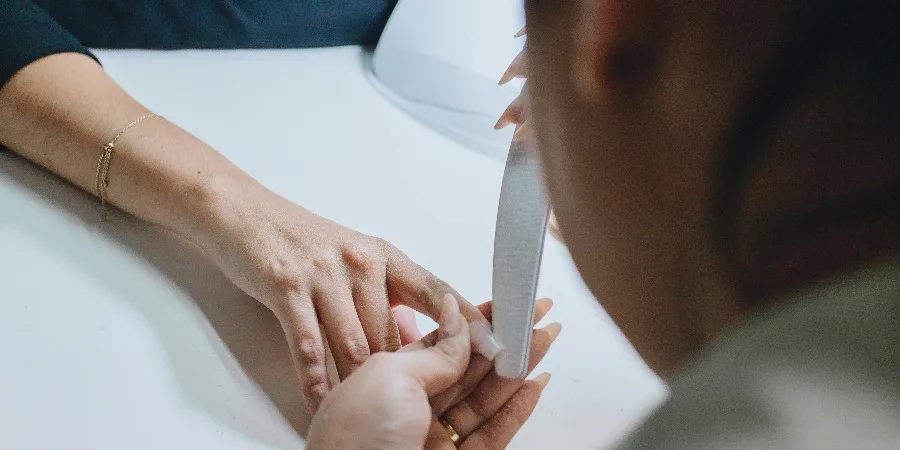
(518, 246)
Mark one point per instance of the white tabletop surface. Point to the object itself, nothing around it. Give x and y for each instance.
(119, 336)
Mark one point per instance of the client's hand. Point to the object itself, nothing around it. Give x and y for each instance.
(385, 405)
(308, 270)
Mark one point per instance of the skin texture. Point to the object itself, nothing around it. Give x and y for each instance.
(402, 382)
(392, 401)
(59, 112)
(631, 103)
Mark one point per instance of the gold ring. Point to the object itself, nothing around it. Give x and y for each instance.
(454, 436)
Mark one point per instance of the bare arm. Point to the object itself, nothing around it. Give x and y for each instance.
(59, 112)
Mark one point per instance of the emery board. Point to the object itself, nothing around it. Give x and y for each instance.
(518, 246)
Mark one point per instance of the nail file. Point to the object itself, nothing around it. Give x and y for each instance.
(518, 246)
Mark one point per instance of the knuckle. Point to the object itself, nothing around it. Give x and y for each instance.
(422, 292)
(425, 286)
(385, 247)
(314, 380)
(433, 288)
(311, 354)
(284, 274)
(478, 408)
(326, 267)
(436, 285)
(316, 386)
(355, 350)
(391, 344)
(363, 258)
(392, 254)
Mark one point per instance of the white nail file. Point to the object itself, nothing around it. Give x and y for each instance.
(518, 246)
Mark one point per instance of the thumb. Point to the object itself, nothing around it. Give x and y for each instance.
(436, 368)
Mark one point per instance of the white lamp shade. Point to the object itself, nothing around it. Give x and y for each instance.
(441, 59)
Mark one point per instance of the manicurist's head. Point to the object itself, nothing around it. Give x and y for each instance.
(706, 157)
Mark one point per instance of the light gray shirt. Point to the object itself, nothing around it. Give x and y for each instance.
(820, 370)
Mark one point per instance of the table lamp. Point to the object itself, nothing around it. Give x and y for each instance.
(440, 61)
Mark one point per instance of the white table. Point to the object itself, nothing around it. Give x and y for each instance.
(119, 336)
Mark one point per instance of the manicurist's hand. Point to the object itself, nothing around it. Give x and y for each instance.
(431, 395)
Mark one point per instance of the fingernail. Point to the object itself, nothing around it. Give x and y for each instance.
(484, 341)
(541, 308)
(545, 303)
(520, 33)
(521, 132)
(451, 320)
(507, 76)
(553, 329)
(542, 380)
(513, 69)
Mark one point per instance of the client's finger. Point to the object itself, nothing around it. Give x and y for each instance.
(342, 326)
(479, 367)
(541, 307)
(411, 285)
(406, 324)
(301, 326)
(490, 395)
(375, 314)
(438, 367)
(500, 429)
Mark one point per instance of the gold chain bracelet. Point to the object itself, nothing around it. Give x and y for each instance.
(105, 159)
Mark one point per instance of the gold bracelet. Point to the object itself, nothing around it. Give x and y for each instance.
(106, 157)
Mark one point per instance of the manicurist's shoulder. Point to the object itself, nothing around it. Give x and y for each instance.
(819, 370)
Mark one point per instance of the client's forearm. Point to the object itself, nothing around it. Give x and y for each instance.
(61, 110)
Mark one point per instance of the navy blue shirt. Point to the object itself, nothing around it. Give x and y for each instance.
(32, 29)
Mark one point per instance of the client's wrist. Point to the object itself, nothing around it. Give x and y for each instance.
(215, 204)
